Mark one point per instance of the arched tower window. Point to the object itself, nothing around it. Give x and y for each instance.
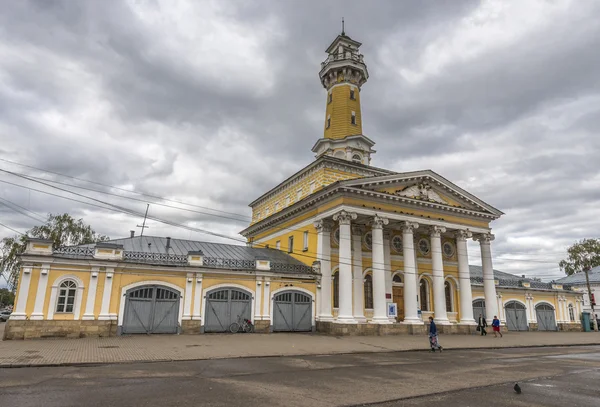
(357, 158)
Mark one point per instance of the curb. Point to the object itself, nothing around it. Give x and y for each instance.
(129, 362)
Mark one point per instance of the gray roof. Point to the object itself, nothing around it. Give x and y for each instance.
(477, 271)
(579, 278)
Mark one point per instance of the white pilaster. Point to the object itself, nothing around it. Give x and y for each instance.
(19, 312)
(345, 267)
(257, 309)
(267, 299)
(40, 296)
(464, 278)
(324, 257)
(187, 299)
(437, 265)
(197, 308)
(411, 304)
(108, 285)
(489, 285)
(379, 300)
(387, 265)
(90, 303)
(358, 284)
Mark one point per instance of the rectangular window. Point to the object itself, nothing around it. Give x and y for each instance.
(305, 241)
(330, 98)
(287, 200)
(352, 94)
(276, 206)
(312, 187)
(291, 244)
(278, 245)
(258, 215)
(299, 194)
(353, 119)
(328, 122)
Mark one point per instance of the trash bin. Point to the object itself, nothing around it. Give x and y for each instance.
(586, 322)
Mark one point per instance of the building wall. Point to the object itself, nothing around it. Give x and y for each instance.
(339, 111)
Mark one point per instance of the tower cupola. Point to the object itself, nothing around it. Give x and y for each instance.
(342, 74)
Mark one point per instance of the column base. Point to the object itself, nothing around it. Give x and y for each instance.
(380, 320)
(196, 318)
(345, 320)
(468, 322)
(441, 321)
(18, 316)
(412, 321)
(360, 319)
(104, 317)
(88, 317)
(36, 317)
(325, 318)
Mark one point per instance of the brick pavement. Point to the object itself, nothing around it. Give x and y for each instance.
(216, 346)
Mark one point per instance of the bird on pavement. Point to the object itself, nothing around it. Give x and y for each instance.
(517, 388)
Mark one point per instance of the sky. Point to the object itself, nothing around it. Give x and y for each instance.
(212, 103)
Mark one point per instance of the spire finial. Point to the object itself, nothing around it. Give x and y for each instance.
(343, 31)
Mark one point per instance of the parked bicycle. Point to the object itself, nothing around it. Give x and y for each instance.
(242, 325)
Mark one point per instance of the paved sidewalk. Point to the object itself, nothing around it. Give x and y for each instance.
(142, 348)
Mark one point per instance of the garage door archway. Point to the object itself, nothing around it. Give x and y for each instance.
(545, 317)
(151, 309)
(292, 311)
(516, 316)
(224, 305)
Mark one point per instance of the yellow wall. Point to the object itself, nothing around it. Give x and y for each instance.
(340, 109)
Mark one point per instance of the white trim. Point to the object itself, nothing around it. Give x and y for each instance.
(196, 315)
(395, 284)
(545, 302)
(575, 313)
(124, 290)
(367, 271)
(54, 295)
(90, 304)
(187, 299)
(23, 284)
(106, 295)
(258, 291)
(304, 290)
(266, 295)
(205, 291)
(40, 296)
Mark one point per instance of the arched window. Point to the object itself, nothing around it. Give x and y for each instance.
(571, 313)
(357, 158)
(424, 295)
(397, 279)
(66, 296)
(368, 291)
(448, 290)
(336, 290)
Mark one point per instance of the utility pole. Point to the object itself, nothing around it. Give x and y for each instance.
(143, 226)
(591, 298)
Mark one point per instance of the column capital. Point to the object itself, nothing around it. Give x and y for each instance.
(357, 230)
(378, 222)
(484, 238)
(409, 226)
(323, 225)
(436, 231)
(463, 235)
(344, 217)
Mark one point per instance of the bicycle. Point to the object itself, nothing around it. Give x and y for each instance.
(243, 324)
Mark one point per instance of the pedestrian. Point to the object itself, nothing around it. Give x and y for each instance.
(496, 327)
(433, 336)
(481, 324)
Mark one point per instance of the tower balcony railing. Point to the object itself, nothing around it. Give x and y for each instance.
(341, 57)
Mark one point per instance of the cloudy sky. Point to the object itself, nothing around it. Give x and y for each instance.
(213, 102)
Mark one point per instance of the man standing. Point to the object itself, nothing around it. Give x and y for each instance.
(481, 325)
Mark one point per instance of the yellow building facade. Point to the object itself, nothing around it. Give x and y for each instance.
(340, 247)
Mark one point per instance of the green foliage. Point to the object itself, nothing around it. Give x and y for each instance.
(6, 297)
(581, 255)
(63, 230)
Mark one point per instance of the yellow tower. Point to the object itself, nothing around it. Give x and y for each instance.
(342, 74)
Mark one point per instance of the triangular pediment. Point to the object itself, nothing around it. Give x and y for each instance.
(424, 187)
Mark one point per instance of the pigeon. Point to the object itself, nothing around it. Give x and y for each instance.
(517, 388)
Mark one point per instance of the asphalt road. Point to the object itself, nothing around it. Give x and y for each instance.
(549, 377)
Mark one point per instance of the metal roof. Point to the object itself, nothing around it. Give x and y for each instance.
(579, 278)
(477, 271)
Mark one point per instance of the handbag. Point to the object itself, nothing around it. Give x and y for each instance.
(478, 328)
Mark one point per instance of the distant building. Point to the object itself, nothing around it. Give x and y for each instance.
(578, 282)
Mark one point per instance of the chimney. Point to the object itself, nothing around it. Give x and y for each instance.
(168, 243)
(132, 233)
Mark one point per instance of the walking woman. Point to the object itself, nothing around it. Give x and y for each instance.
(496, 327)
(433, 337)
(481, 324)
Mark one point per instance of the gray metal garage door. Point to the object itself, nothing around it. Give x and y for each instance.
(151, 310)
(223, 306)
(292, 311)
(516, 316)
(545, 317)
(478, 308)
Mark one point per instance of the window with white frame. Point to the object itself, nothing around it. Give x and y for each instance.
(312, 186)
(571, 313)
(328, 125)
(291, 244)
(278, 245)
(305, 243)
(299, 194)
(353, 118)
(287, 200)
(66, 297)
(352, 94)
(276, 206)
(330, 99)
(448, 292)
(368, 291)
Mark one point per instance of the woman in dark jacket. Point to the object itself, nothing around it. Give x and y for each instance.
(433, 338)
(481, 324)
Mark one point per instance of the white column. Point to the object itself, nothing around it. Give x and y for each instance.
(357, 264)
(379, 300)
(187, 299)
(411, 280)
(437, 265)
(489, 285)
(197, 308)
(324, 257)
(267, 299)
(345, 267)
(257, 309)
(19, 311)
(387, 265)
(90, 303)
(464, 278)
(108, 283)
(40, 296)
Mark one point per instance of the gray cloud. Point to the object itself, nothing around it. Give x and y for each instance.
(213, 105)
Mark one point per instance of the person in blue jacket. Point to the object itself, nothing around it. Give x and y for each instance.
(433, 336)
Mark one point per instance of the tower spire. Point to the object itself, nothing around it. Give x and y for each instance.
(343, 31)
